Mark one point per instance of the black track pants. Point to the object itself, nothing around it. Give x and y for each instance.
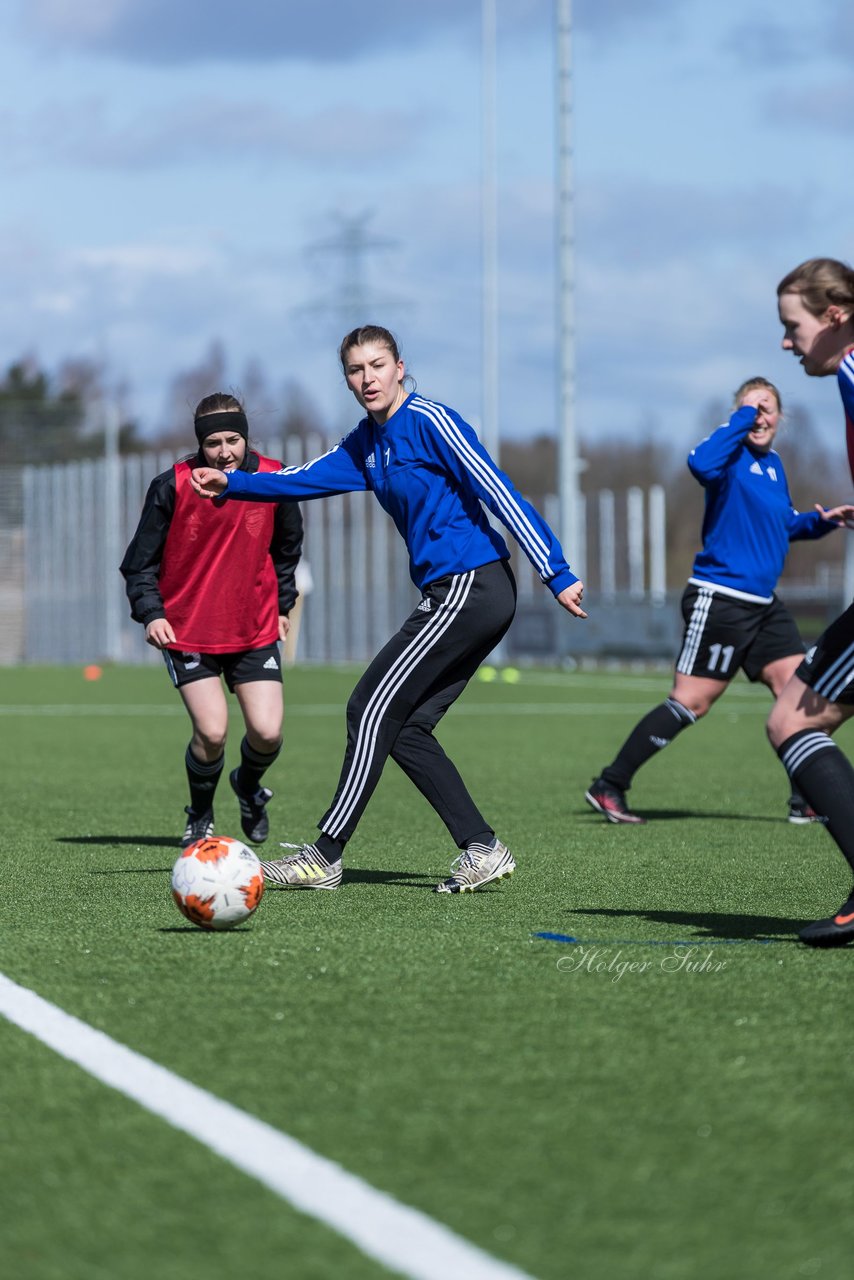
(407, 689)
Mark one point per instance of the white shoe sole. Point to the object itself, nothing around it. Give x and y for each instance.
(503, 873)
(634, 821)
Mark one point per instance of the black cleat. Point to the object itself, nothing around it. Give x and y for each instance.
(610, 801)
(253, 810)
(837, 931)
(199, 826)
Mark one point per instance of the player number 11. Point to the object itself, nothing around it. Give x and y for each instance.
(723, 651)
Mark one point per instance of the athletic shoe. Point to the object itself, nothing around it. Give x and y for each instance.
(611, 802)
(199, 826)
(253, 810)
(834, 932)
(476, 866)
(304, 869)
(802, 813)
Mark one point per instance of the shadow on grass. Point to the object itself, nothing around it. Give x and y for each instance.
(154, 842)
(409, 879)
(202, 933)
(709, 924)
(131, 871)
(352, 875)
(668, 815)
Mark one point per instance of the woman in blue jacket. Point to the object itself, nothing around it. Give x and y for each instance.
(431, 474)
(733, 619)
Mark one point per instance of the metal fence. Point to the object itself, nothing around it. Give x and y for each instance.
(64, 529)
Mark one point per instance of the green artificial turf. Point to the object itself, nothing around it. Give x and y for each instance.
(664, 1098)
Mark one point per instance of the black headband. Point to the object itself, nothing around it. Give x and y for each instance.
(229, 420)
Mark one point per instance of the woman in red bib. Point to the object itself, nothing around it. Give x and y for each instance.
(213, 584)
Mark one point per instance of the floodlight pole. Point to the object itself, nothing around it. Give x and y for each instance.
(111, 418)
(571, 531)
(489, 233)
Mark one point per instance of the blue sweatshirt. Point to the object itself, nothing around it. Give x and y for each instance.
(430, 473)
(749, 519)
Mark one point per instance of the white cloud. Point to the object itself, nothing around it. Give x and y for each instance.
(148, 260)
(84, 23)
(825, 107)
(60, 303)
(654, 222)
(90, 133)
(163, 31)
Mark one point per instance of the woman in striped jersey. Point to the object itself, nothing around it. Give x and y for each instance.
(430, 473)
(816, 309)
(733, 619)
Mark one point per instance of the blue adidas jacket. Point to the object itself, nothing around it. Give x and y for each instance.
(749, 519)
(430, 473)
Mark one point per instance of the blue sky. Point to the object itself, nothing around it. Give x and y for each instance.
(171, 167)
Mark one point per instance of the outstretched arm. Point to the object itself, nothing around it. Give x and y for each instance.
(806, 526)
(339, 470)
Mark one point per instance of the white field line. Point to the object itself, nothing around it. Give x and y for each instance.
(401, 1238)
(660, 682)
(337, 709)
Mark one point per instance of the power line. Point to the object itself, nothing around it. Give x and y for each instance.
(353, 302)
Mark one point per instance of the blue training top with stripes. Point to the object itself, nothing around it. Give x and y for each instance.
(749, 519)
(431, 474)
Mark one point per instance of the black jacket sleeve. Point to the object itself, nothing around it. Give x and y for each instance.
(286, 549)
(140, 567)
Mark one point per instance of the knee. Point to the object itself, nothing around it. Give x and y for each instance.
(209, 743)
(779, 726)
(355, 711)
(264, 739)
(405, 743)
(698, 704)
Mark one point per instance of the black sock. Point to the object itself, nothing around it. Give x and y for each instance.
(824, 775)
(657, 730)
(202, 778)
(484, 838)
(330, 850)
(253, 765)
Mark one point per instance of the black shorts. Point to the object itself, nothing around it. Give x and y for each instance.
(828, 667)
(724, 634)
(238, 668)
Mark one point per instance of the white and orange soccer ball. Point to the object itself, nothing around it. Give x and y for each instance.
(217, 882)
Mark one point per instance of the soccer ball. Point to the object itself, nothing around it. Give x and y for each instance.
(217, 882)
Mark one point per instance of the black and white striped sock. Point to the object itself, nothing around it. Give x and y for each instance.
(202, 778)
(650, 735)
(253, 765)
(823, 774)
(330, 850)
